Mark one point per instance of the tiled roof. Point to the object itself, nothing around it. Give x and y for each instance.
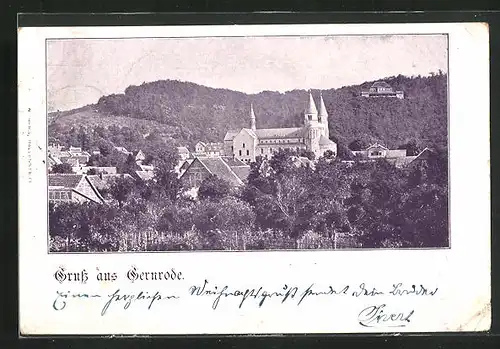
(241, 171)
(104, 181)
(145, 175)
(66, 180)
(233, 161)
(218, 167)
(290, 132)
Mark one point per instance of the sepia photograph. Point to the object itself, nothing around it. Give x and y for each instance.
(251, 143)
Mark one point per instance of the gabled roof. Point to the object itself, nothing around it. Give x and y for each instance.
(231, 161)
(104, 181)
(201, 143)
(145, 175)
(376, 145)
(290, 132)
(238, 167)
(241, 171)
(424, 154)
(325, 141)
(66, 180)
(219, 168)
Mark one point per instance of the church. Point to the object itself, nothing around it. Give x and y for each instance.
(248, 143)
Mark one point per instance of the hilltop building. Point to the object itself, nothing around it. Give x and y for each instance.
(382, 89)
(248, 143)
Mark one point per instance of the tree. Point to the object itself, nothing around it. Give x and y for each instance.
(168, 182)
(213, 188)
(412, 148)
(62, 168)
(357, 145)
(120, 189)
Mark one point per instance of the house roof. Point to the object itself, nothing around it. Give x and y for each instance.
(325, 141)
(104, 181)
(201, 143)
(183, 150)
(220, 168)
(233, 161)
(71, 181)
(424, 154)
(66, 180)
(376, 145)
(381, 84)
(290, 132)
(145, 175)
(241, 171)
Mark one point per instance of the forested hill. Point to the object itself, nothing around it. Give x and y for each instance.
(191, 112)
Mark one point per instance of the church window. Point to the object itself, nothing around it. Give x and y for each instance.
(248, 152)
(243, 145)
(240, 152)
(262, 150)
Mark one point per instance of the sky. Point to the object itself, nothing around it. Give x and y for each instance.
(79, 71)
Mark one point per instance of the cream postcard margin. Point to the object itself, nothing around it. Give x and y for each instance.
(461, 273)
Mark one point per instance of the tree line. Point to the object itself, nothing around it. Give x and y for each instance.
(333, 204)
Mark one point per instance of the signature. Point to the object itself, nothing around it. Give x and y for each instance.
(378, 316)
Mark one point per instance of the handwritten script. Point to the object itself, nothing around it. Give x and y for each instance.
(375, 315)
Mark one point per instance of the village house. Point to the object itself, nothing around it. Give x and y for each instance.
(97, 169)
(65, 187)
(102, 182)
(382, 89)
(183, 153)
(145, 175)
(208, 149)
(123, 150)
(231, 170)
(248, 143)
(397, 157)
(139, 157)
(376, 151)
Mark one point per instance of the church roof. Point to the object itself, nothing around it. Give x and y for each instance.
(311, 106)
(231, 134)
(325, 141)
(289, 132)
(322, 107)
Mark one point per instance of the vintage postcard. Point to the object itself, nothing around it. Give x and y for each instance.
(254, 179)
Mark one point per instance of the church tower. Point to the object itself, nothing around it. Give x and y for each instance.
(323, 116)
(313, 128)
(311, 113)
(252, 118)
